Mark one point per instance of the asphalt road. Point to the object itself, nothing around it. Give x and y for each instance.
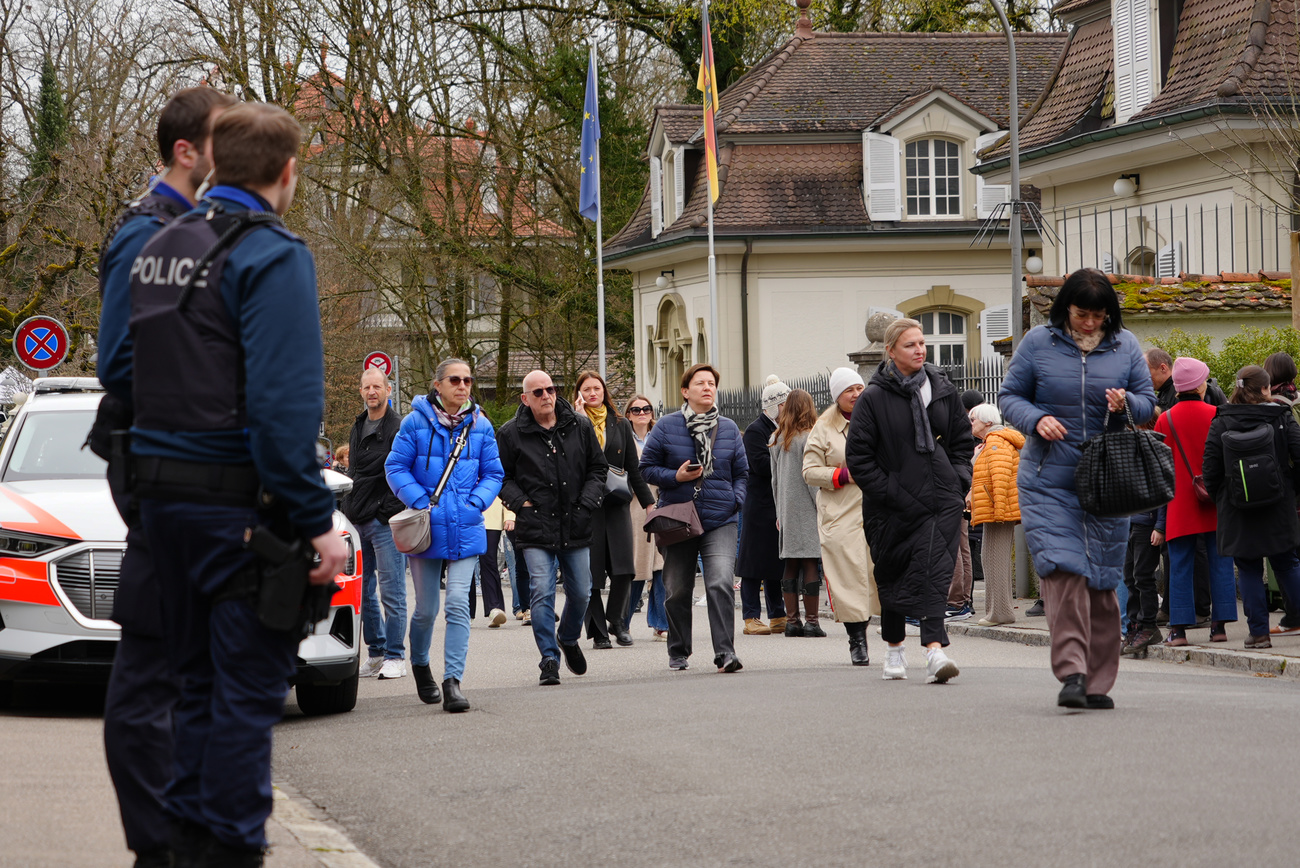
(802, 759)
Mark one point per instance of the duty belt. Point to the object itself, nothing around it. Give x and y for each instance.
(195, 482)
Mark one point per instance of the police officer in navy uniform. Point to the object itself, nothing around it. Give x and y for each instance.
(142, 690)
(228, 378)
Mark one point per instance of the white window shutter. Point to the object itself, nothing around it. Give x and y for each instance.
(987, 139)
(656, 197)
(1134, 57)
(989, 196)
(882, 179)
(1169, 260)
(679, 180)
(1109, 264)
(995, 324)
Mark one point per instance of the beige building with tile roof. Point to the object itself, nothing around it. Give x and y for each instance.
(805, 249)
(1165, 147)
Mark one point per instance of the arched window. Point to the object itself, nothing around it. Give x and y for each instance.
(945, 336)
(1142, 261)
(933, 174)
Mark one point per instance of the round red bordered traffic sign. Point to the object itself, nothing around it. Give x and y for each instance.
(381, 362)
(41, 342)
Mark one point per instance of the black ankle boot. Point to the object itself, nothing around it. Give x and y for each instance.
(452, 699)
(620, 634)
(425, 687)
(1074, 692)
(857, 643)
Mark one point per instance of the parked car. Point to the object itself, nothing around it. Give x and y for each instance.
(61, 545)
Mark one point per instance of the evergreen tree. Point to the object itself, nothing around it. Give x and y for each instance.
(50, 129)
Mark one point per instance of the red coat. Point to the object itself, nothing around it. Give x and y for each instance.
(1185, 514)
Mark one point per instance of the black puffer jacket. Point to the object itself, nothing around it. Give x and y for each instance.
(760, 550)
(911, 501)
(370, 496)
(559, 471)
(1260, 531)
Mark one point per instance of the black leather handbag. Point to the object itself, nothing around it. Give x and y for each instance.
(617, 489)
(1122, 473)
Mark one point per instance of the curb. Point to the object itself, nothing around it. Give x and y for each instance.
(1254, 662)
(325, 843)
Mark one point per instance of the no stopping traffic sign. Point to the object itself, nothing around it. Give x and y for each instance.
(381, 362)
(41, 342)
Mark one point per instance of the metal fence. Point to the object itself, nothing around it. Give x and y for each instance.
(742, 406)
(1164, 240)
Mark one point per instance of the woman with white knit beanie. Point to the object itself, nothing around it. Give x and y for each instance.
(845, 559)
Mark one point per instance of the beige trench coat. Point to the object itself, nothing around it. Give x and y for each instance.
(845, 558)
(645, 555)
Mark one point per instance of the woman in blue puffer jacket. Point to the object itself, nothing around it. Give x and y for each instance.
(1069, 381)
(698, 453)
(420, 453)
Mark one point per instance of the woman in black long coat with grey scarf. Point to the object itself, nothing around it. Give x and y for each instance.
(909, 449)
(612, 555)
(758, 560)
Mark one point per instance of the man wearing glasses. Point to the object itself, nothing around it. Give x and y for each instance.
(555, 478)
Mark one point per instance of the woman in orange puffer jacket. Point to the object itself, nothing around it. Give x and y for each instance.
(995, 504)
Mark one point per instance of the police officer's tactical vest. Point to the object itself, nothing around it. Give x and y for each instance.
(165, 209)
(188, 360)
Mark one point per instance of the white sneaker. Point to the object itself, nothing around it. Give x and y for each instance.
(371, 667)
(895, 665)
(496, 618)
(702, 601)
(392, 669)
(939, 668)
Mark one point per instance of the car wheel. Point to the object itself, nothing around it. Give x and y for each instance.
(316, 699)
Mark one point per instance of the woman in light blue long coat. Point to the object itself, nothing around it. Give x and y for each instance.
(1069, 381)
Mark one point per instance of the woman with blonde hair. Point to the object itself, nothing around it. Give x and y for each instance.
(796, 514)
(909, 446)
(995, 506)
(612, 554)
(850, 582)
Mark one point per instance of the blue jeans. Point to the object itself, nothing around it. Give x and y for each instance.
(426, 575)
(1182, 581)
(575, 569)
(386, 637)
(1254, 591)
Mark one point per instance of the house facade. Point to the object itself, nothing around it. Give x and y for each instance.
(845, 188)
(1165, 148)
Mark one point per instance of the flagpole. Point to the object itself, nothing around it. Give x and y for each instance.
(714, 345)
(600, 253)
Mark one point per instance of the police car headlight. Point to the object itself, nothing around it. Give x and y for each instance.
(350, 565)
(28, 545)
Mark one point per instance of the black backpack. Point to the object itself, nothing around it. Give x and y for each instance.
(1250, 466)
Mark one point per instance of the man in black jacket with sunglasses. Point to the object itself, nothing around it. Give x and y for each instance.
(555, 478)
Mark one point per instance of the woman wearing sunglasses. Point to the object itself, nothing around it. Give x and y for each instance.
(648, 560)
(612, 554)
(422, 450)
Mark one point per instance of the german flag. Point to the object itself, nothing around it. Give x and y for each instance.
(708, 84)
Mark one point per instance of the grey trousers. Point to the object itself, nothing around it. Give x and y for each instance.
(717, 549)
(999, 583)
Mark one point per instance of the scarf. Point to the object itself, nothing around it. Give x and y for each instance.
(922, 437)
(450, 420)
(700, 426)
(597, 416)
(1086, 343)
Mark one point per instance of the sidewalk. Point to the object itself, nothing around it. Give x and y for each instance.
(1281, 661)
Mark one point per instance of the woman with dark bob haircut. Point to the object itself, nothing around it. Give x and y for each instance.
(1068, 381)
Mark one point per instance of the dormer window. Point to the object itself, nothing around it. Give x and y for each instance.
(670, 186)
(933, 168)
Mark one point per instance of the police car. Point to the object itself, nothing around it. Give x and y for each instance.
(61, 545)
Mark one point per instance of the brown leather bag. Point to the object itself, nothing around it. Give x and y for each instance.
(674, 522)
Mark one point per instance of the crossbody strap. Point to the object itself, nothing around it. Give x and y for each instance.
(1179, 443)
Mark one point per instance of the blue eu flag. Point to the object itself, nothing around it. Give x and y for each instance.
(589, 191)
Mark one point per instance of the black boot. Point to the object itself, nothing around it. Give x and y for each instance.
(857, 643)
(620, 634)
(1074, 692)
(811, 620)
(793, 626)
(452, 699)
(425, 687)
